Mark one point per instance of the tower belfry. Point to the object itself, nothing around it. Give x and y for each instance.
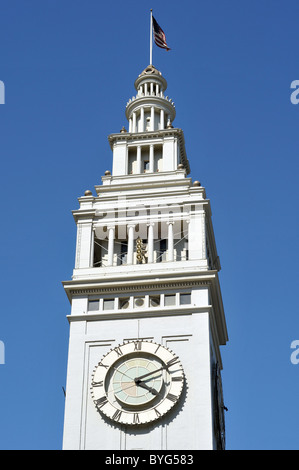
(152, 144)
(147, 319)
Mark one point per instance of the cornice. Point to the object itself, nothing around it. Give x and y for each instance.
(87, 214)
(158, 182)
(146, 135)
(82, 289)
(136, 282)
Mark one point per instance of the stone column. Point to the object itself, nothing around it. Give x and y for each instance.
(150, 243)
(131, 228)
(151, 159)
(170, 242)
(142, 119)
(111, 230)
(162, 119)
(139, 159)
(134, 122)
(152, 118)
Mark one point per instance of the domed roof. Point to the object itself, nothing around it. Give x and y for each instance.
(148, 73)
(150, 69)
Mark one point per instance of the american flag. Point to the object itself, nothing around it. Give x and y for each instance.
(159, 36)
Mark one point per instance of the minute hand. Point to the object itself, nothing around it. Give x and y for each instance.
(149, 373)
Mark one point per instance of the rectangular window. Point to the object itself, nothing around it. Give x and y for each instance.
(146, 166)
(132, 160)
(161, 253)
(93, 305)
(123, 252)
(108, 304)
(185, 299)
(97, 254)
(154, 301)
(186, 247)
(169, 300)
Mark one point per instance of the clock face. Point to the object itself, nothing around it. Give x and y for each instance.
(137, 382)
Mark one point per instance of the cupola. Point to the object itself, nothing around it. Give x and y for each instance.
(150, 109)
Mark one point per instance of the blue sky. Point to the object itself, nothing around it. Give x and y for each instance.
(69, 68)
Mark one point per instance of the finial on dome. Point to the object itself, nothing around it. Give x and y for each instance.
(149, 70)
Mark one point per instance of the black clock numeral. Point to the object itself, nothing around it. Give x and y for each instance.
(103, 365)
(117, 415)
(157, 412)
(136, 418)
(173, 361)
(100, 402)
(157, 348)
(98, 384)
(172, 397)
(177, 379)
(137, 345)
(118, 351)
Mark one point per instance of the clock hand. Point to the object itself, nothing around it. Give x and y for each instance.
(143, 385)
(137, 379)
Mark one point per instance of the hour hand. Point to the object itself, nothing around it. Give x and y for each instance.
(143, 385)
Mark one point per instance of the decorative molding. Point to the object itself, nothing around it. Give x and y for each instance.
(142, 287)
(78, 247)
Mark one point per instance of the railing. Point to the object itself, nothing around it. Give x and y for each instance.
(143, 95)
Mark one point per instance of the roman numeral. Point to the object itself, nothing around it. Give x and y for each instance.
(172, 397)
(137, 345)
(117, 415)
(100, 402)
(136, 418)
(177, 379)
(118, 351)
(98, 384)
(157, 412)
(103, 365)
(173, 361)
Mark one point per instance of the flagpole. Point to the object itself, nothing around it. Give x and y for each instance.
(151, 39)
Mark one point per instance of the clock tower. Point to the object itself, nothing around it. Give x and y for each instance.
(147, 318)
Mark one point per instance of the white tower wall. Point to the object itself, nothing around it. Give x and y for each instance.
(168, 292)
